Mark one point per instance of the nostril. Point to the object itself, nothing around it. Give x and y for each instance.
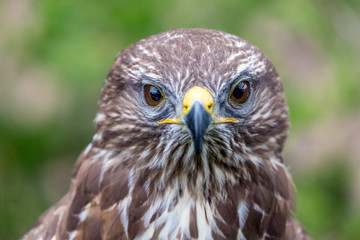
(186, 107)
(210, 106)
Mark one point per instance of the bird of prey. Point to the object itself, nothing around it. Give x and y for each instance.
(190, 130)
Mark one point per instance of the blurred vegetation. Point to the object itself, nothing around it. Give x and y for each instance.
(54, 56)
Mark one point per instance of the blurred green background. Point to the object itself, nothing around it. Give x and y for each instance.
(54, 56)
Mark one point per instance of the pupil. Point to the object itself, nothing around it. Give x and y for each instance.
(155, 94)
(239, 90)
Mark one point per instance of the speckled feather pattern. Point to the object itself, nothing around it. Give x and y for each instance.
(141, 180)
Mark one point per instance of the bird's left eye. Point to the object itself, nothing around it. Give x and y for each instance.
(153, 95)
(240, 92)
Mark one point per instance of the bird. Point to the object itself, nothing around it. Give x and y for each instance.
(189, 135)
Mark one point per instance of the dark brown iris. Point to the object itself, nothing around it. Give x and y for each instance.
(153, 95)
(241, 92)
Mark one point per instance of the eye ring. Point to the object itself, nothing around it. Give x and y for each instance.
(240, 93)
(153, 95)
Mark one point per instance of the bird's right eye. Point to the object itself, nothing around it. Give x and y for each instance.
(153, 95)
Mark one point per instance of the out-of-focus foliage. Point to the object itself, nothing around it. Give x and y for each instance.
(54, 56)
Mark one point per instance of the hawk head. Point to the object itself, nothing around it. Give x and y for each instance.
(188, 145)
(196, 106)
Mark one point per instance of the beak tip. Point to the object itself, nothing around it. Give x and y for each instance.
(198, 146)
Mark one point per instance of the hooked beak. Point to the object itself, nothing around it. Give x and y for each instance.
(198, 106)
(198, 120)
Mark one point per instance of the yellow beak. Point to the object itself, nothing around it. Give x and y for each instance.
(198, 94)
(198, 114)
